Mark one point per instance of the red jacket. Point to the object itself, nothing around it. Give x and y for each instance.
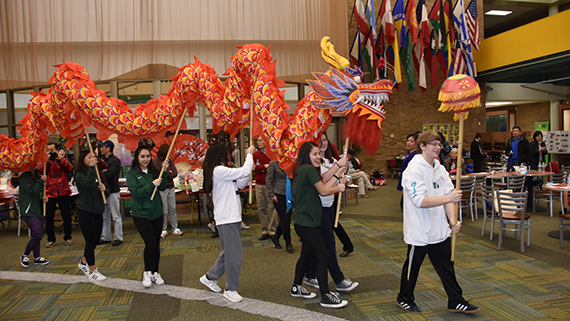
(57, 184)
(260, 160)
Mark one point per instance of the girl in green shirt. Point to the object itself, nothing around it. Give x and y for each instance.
(307, 186)
(30, 200)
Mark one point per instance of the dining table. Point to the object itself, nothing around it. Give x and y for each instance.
(559, 188)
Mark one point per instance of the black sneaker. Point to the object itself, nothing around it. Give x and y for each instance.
(298, 291)
(410, 307)
(41, 261)
(330, 300)
(464, 308)
(25, 261)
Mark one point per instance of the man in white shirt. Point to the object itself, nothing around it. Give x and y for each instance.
(429, 208)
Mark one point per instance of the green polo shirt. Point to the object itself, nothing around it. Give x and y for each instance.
(308, 208)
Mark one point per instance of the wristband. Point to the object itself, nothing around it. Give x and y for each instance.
(338, 165)
(338, 187)
(336, 176)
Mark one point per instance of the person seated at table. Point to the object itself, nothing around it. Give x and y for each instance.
(359, 177)
(450, 162)
(537, 150)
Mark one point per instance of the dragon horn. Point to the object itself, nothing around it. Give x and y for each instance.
(331, 57)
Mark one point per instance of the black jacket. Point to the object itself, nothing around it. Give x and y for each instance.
(523, 150)
(476, 150)
(534, 154)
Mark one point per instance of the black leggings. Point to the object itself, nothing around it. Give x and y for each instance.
(313, 246)
(91, 225)
(150, 232)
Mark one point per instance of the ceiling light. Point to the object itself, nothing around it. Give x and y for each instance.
(501, 13)
(497, 103)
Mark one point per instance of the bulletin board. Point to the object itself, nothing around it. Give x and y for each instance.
(449, 131)
(557, 142)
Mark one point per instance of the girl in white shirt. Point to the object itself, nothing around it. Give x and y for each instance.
(224, 182)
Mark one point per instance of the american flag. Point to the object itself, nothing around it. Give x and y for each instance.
(458, 62)
(473, 25)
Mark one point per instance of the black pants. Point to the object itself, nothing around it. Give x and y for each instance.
(150, 233)
(284, 226)
(327, 223)
(440, 257)
(341, 233)
(91, 225)
(65, 209)
(313, 246)
(477, 165)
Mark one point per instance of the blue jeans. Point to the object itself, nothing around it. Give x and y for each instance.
(112, 210)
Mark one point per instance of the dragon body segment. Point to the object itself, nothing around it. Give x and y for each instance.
(73, 102)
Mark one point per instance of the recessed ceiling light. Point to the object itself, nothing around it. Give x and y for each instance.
(501, 13)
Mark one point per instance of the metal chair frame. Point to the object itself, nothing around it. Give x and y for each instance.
(512, 210)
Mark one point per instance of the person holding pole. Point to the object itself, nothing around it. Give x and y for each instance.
(224, 183)
(58, 193)
(429, 219)
(30, 198)
(142, 179)
(307, 186)
(90, 208)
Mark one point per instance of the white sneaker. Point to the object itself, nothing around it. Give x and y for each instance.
(97, 276)
(163, 234)
(212, 284)
(84, 268)
(212, 227)
(147, 279)
(157, 279)
(232, 296)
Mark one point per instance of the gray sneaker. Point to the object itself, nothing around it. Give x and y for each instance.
(212, 284)
(346, 285)
(312, 282)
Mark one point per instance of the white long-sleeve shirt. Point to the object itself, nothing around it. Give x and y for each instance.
(226, 183)
(423, 226)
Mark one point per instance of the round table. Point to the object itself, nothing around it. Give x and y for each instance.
(559, 188)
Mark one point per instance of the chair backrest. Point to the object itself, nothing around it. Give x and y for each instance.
(557, 178)
(511, 204)
(516, 182)
(467, 184)
(488, 193)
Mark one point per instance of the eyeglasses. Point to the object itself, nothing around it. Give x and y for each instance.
(435, 144)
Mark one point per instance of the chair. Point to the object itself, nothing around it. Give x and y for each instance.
(489, 212)
(562, 224)
(478, 193)
(548, 195)
(393, 166)
(516, 183)
(350, 189)
(512, 210)
(467, 186)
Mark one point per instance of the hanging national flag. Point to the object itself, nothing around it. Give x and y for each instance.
(387, 22)
(458, 66)
(423, 43)
(361, 38)
(408, 64)
(463, 42)
(392, 56)
(400, 21)
(473, 25)
(444, 34)
(372, 37)
(412, 20)
(430, 52)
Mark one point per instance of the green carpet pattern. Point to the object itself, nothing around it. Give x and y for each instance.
(506, 284)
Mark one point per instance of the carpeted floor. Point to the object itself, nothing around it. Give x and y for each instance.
(506, 284)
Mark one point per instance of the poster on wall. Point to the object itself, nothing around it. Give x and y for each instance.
(558, 142)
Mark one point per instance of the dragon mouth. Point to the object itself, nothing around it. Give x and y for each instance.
(372, 102)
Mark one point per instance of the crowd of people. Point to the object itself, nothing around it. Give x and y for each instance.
(319, 175)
